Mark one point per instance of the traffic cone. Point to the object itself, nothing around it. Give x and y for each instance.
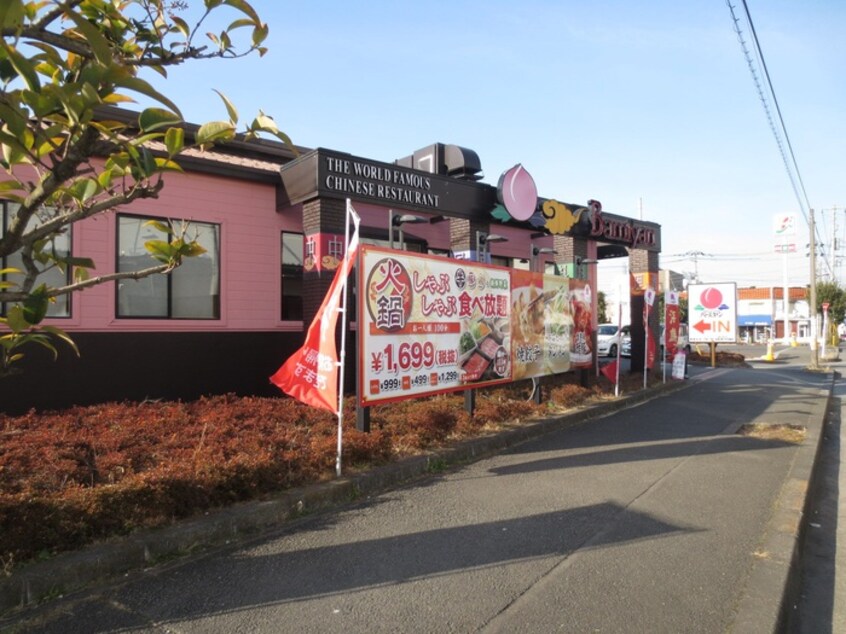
(769, 356)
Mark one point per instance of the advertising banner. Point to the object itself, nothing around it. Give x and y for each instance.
(541, 324)
(581, 339)
(430, 324)
(671, 323)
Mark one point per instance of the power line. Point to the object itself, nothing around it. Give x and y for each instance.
(775, 102)
(792, 166)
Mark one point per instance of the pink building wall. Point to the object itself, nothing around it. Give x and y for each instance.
(250, 229)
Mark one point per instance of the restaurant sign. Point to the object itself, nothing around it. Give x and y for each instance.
(330, 174)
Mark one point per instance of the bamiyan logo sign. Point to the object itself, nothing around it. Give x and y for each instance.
(517, 195)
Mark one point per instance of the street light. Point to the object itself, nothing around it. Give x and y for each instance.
(397, 221)
(580, 261)
(483, 239)
(536, 251)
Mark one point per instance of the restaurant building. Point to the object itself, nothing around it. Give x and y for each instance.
(272, 224)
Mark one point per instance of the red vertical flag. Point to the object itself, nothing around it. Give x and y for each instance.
(610, 371)
(310, 375)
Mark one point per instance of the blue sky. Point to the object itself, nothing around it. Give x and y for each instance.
(646, 106)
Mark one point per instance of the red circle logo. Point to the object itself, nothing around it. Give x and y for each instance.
(711, 298)
(389, 298)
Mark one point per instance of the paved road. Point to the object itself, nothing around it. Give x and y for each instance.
(647, 520)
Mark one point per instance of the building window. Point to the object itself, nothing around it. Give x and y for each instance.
(51, 275)
(292, 276)
(190, 291)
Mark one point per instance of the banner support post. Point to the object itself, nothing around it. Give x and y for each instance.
(341, 361)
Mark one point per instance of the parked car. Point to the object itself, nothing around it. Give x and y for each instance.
(683, 343)
(609, 338)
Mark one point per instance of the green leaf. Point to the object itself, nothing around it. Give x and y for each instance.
(242, 22)
(15, 319)
(84, 189)
(167, 165)
(141, 86)
(260, 34)
(43, 341)
(212, 4)
(117, 98)
(61, 334)
(11, 14)
(244, 8)
(215, 131)
(86, 263)
(265, 123)
(22, 66)
(154, 118)
(181, 25)
(146, 162)
(174, 141)
(159, 226)
(233, 113)
(93, 36)
(104, 178)
(161, 250)
(6, 186)
(192, 249)
(35, 305)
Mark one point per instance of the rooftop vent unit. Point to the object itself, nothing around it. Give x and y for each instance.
(446, 160)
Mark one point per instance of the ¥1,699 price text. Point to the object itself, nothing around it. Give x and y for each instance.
(407, 356)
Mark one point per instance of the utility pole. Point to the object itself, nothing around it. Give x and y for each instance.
(695, 255)
(815, 360)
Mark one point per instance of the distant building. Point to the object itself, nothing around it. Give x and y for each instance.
(761, 315)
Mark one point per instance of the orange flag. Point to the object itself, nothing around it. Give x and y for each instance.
(310, 374)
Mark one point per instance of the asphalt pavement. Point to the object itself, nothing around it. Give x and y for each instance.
(657, 518)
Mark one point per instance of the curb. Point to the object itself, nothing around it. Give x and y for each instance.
(773, 583)
(104, 562)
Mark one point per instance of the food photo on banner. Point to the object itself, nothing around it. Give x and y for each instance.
(581, 340)
(541, 324)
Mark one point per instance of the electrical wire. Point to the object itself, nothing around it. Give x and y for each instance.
(792, 166)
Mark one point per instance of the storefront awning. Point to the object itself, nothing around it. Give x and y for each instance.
(754, 320)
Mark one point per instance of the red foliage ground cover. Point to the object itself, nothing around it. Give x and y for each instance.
(75, 476)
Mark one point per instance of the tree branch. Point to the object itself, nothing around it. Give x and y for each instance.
(19, 296)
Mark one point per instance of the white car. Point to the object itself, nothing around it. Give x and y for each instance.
(609, 338)
(682, 344)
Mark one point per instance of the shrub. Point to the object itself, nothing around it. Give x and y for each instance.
(71, 477)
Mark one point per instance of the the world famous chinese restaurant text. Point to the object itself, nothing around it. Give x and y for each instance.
(433, 324)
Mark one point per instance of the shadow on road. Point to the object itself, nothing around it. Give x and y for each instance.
(659, 451)
(815, 577)
(255, 578)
